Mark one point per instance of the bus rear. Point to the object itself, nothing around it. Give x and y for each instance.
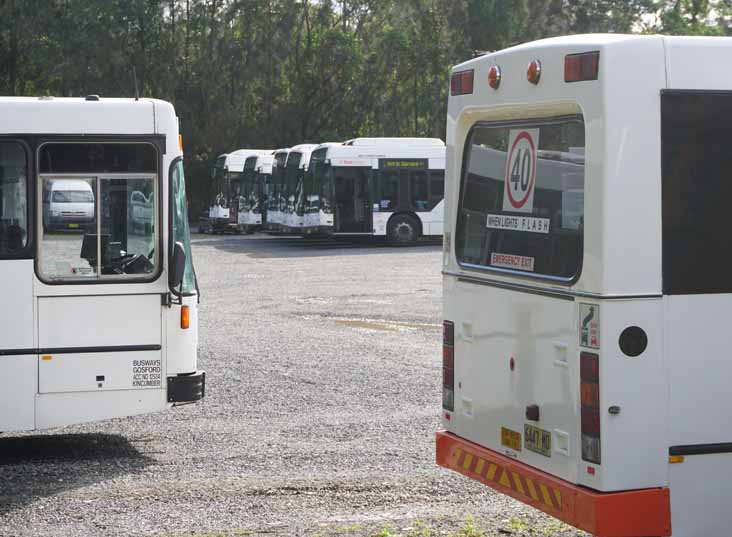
(554, 384)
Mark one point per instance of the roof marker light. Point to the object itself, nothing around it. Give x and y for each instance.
(581, 67)
(461, 83)
(494, 77)
(533, 73)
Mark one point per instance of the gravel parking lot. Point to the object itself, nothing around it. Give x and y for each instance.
(323, 363)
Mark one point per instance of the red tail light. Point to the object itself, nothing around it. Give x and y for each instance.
(461, 83)
(579, 67)
(448, 366)
(590, 406)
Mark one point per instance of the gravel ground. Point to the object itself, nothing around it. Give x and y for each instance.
(323, 371)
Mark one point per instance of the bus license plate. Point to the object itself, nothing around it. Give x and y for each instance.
(511, 439)
(73, 226)
(538, 440)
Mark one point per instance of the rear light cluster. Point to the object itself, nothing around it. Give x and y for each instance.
(461, 83)
(448, 366)
(590, 406)
(577, 68)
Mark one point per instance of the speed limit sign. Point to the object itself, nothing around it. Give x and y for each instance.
(518, 195)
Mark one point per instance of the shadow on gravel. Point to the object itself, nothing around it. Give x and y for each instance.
(33, 467)
(268, 246)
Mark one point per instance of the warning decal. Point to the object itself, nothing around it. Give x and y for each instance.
(517, 223)
(146, 373)
(518, 262)
(590, 325)
(521, 170)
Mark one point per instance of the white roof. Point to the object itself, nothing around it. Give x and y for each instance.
(361, 150)
(388, 142)
(305, 150)
(70, 184)
(235, 160)
(75, 115)
(264, 163)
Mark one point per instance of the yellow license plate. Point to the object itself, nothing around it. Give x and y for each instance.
(73, 225)
(538, 440)
(511, 439)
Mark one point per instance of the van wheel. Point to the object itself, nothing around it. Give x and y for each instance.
(402, 230)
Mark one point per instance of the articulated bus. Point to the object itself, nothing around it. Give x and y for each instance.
(376, 186)
(277, 201)
(586, 286)
(254, 188)
(226, 174)
(99, 320)
(298, 160)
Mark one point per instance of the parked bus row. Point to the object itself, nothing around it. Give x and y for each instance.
(391, 187)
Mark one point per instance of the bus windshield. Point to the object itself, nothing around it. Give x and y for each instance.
(527, 214)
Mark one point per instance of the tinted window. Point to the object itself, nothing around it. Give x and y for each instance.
(696, 161)
(111, 158)
(13, 199)
(420, 191)
(522, 198)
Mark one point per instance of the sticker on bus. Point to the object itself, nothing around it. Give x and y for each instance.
(518, 223)
(518, 262)
(589, 326)
(521, 170)
(511, 439)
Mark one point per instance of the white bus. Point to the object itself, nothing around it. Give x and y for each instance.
(298, 160)
(277, 201)
(377, 186)
(586, 285)
(101, 322)
(226, 175)
(253, 192)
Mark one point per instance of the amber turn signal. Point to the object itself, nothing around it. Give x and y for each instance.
(185, 317)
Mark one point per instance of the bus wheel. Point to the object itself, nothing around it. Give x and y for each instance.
(403, 229)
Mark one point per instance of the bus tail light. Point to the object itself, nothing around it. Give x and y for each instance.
(461, 83)
(448, 366)
(533, 73)
(185, 317)
(580, 67)
(494, 77)
(590, 406)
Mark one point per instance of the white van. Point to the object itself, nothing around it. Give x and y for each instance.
(69, 204)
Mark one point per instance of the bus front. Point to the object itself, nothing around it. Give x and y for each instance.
(249, 218)
(100, 320)
(552, 284)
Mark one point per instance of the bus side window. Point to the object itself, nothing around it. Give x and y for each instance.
(437, 186)
(13, 199)
(419, 191)
(389, 191)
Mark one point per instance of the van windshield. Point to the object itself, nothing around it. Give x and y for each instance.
(72, 196)
(522, 198)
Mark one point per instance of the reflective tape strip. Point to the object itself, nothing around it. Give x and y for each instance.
(531, 488)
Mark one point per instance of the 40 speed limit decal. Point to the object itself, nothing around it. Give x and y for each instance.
(518, 195)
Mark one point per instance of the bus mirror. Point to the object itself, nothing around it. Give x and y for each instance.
(177, 265)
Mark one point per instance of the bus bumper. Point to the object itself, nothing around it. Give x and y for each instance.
(187, 388)
(635, 513)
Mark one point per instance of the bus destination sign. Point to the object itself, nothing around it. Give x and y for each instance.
(393, 163)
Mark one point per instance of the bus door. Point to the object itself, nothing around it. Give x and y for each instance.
(352, 194)
(17, 357)
(99, 325)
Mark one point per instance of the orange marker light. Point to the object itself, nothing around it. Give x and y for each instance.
(494, 77)
(533, 73)
(180, 141)
(185, 317)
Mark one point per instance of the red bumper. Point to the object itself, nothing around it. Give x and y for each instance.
(636, 513)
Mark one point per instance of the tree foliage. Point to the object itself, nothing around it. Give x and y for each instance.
(274, 73)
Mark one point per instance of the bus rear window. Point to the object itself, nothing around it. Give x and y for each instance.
(522, 198)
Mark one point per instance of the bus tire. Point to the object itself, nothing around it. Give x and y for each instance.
(402, 230)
